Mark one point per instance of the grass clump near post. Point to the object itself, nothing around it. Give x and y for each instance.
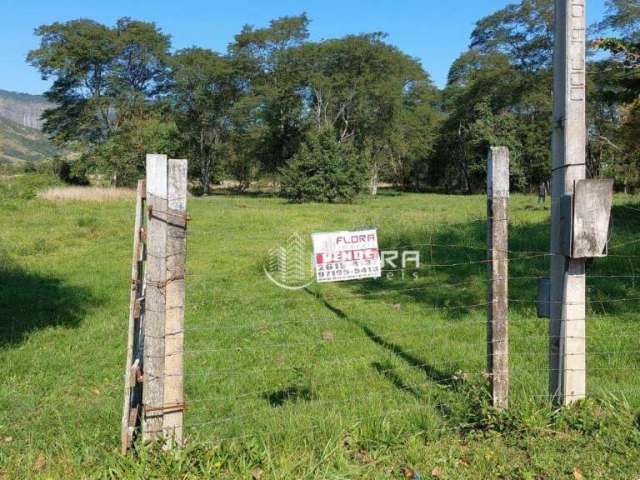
(324, 170)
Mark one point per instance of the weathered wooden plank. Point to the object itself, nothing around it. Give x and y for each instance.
(155, 294)
(498, 246)
(175, 298)
(129, 383)
(134, 373)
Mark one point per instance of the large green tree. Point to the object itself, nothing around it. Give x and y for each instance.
(119, 93)
(373, 95)
(205, 89)
(272, 106)
(615, 138)
(522, 31)
(78, 55)
(105, 81)
(499, 92)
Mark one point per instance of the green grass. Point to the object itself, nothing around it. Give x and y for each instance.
(373, 379)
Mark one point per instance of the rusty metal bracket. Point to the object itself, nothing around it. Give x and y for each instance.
(171, 408)
(171, 217)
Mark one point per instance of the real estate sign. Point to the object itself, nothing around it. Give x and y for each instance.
(341, 256)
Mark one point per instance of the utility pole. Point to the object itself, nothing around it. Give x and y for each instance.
(567, 361)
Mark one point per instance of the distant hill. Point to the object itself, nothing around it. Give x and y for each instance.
(20, 137)
(22, 108)
(20, 144)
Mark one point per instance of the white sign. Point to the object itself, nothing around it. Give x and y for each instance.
(341, 256)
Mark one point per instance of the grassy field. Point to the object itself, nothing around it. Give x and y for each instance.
(375, 379)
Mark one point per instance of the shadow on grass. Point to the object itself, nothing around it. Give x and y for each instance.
(387, 371)
(292, 393)
(434, 374)
(30, 302)
(453, 388)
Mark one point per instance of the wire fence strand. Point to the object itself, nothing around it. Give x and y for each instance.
(296, 362)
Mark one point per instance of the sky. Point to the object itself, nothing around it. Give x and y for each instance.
(434, 31)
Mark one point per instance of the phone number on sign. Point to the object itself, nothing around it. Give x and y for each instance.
(332, 272)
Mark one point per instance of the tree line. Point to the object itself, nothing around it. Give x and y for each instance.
(329, 119)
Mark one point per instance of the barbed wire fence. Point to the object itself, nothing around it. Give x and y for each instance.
(403, 353)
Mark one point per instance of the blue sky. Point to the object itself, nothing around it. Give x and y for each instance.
(434, 31)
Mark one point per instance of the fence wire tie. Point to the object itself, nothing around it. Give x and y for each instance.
(164, 283)
(170, 408)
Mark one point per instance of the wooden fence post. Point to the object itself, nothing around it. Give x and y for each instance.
(175, 294)
(154, 373)
(498, 246)
(155, 296)
(132, 391)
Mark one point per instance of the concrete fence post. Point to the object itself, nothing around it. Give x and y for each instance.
(498, 247)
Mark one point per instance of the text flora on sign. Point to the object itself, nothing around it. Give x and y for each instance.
(342, 256)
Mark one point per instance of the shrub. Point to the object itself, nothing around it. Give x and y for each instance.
(323, 170)
(71, 172)
(25, 186)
